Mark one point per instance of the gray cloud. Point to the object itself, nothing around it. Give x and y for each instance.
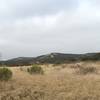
(12, 9)
(31, 28)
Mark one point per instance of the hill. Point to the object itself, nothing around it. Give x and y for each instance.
(53, 58)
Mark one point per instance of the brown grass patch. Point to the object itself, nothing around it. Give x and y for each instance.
(54, 85)
(84, 69)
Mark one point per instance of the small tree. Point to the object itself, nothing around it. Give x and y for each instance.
(35, 69)
(5, 74)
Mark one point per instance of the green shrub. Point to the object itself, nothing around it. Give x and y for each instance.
(35, 69)
(5, 74)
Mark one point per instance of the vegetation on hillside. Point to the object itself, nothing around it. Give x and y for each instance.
(53, 58)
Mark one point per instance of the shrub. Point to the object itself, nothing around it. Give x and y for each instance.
(75, 66)
(86, 70)
(5, 74)
(35, 69)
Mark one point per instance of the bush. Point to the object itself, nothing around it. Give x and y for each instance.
(35, 69)
(75, 66)
(5, 74)
(87, 70)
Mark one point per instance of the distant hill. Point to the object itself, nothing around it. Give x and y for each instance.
(20, 61)
(54, 58)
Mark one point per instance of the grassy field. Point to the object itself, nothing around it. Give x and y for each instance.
(59, 82)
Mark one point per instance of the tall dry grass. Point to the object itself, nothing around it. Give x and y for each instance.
(55, 84)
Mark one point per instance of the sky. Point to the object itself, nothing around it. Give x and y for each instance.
(31, 28)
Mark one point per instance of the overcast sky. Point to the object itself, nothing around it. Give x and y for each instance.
(36, 27)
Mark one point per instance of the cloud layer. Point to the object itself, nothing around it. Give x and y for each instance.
(31, 28)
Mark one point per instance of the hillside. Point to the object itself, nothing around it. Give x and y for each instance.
(53, 58)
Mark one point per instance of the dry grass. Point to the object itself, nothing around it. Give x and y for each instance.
(58, 83)
(84, 69)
